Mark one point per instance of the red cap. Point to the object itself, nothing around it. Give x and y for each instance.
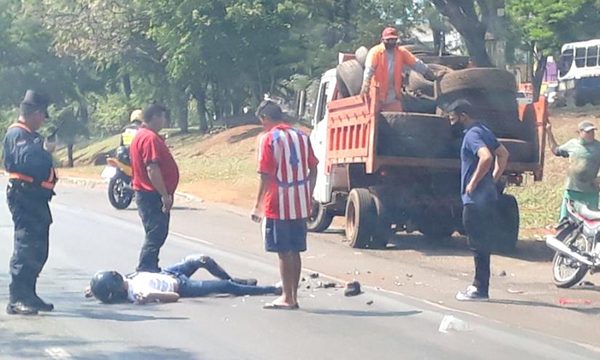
(389, 33)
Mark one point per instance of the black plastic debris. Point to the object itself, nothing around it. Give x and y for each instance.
(352, 289)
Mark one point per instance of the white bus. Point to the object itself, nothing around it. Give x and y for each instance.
(579, 72)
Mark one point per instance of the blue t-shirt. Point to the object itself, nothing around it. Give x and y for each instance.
(475, 138)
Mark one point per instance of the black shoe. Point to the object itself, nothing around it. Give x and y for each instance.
(20, 308)
(41, 305)
(249, 282)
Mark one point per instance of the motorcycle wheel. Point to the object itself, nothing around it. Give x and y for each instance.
(119, 195)
(566, 271)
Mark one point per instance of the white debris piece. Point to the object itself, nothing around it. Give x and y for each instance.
(450, 322)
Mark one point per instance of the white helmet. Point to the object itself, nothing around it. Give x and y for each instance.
(136, 115)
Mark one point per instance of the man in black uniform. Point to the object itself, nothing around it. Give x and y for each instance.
(31, 186)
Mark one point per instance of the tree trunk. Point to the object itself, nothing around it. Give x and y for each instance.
(127, 85)
(70, 160)
(464, 18)
(180, 100)
(438, 42)
(199, 94)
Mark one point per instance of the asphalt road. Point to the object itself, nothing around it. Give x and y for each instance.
(88, 236)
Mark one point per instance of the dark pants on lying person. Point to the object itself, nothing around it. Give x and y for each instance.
(156, 226)
(32, 218)
(198, 288)
(478, 222)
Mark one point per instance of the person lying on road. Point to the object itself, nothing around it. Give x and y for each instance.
(172, 283)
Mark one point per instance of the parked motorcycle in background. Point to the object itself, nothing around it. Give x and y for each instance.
(577, 246)
(119, 172)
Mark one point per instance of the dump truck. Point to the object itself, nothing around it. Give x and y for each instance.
(388, 172)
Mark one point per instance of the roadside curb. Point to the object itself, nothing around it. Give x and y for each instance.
(87, 181)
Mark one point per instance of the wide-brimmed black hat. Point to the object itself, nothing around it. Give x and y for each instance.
(35, 101)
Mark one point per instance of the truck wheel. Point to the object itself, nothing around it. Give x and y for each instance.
(411, 134)
(478, 78)
(361, 218)
(507, 224)
(351, 74)
(519, 150)
(319, 219)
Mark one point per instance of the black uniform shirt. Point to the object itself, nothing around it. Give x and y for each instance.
(24, 154)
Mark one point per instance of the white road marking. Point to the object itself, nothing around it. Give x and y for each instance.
(57, 353)
(187, 237)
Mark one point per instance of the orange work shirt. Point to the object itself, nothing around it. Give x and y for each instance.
(377, 60)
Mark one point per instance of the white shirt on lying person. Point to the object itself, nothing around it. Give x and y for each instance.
(145, 282)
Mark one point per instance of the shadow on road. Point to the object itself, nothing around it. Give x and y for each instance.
(527, 250)
(34, 345)
(106, 313)
(586, 310)
(361, 313)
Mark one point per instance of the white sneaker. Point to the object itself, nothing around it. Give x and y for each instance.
(471, 294)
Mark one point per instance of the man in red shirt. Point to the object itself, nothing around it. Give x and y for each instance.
(288, 170)
(155, 179)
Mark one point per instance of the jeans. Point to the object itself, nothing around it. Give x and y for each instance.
(32, 218)
(198, 288)
(156, 226)
(478, 223)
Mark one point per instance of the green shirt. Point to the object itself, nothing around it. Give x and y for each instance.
(584, 159)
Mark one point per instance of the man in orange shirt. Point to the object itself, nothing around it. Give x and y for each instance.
(385, 63)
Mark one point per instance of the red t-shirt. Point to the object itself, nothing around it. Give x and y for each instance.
(147, 148)
(285, 154)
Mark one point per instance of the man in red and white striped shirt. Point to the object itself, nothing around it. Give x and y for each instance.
(288, 170)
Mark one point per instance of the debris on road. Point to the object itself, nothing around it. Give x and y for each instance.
(370, 302)
(568, 301)
(450, 322)
(502, 273)
(409, 275)
(515, 291)
(329, 285)
(586, 284)
(314, 275)
(352, 289)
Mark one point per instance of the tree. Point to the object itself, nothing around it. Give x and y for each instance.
(545, 25)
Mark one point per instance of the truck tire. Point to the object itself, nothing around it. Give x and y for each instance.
(320, 218)
(419, 50)
(361, 218)
(361, 55)
(410, 134)
(519, 150)
(418, 84)
(507, 224)
(454, 62)
(351, 75)
(418, 104)
(478, 78)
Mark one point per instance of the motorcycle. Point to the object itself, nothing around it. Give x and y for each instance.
(119, 172)
(577, 246)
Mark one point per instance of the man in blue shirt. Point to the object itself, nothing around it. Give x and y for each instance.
(483, 160)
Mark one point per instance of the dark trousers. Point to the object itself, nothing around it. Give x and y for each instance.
(156, 226)
(478, 221)
(32, 218)
(198, 288)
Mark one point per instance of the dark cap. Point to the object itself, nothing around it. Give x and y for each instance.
(269, 109)
(586, 126)
(34, 101)
(460, 106)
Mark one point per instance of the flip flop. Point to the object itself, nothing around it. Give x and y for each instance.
(274, 306)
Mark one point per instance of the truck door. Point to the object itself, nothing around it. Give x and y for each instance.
(318, 138)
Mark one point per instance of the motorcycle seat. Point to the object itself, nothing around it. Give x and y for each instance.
(589, 214)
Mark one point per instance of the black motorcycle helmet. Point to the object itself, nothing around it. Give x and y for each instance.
(108, 287)
(123, 154)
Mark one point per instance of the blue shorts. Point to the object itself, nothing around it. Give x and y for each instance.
(284, 235)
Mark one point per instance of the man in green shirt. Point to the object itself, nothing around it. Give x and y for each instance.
(584, 158)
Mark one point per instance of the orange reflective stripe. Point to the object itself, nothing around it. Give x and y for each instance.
(20, 125)
(17, 176)
(48, 184)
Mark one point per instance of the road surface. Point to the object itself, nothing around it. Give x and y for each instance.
(88, 236)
